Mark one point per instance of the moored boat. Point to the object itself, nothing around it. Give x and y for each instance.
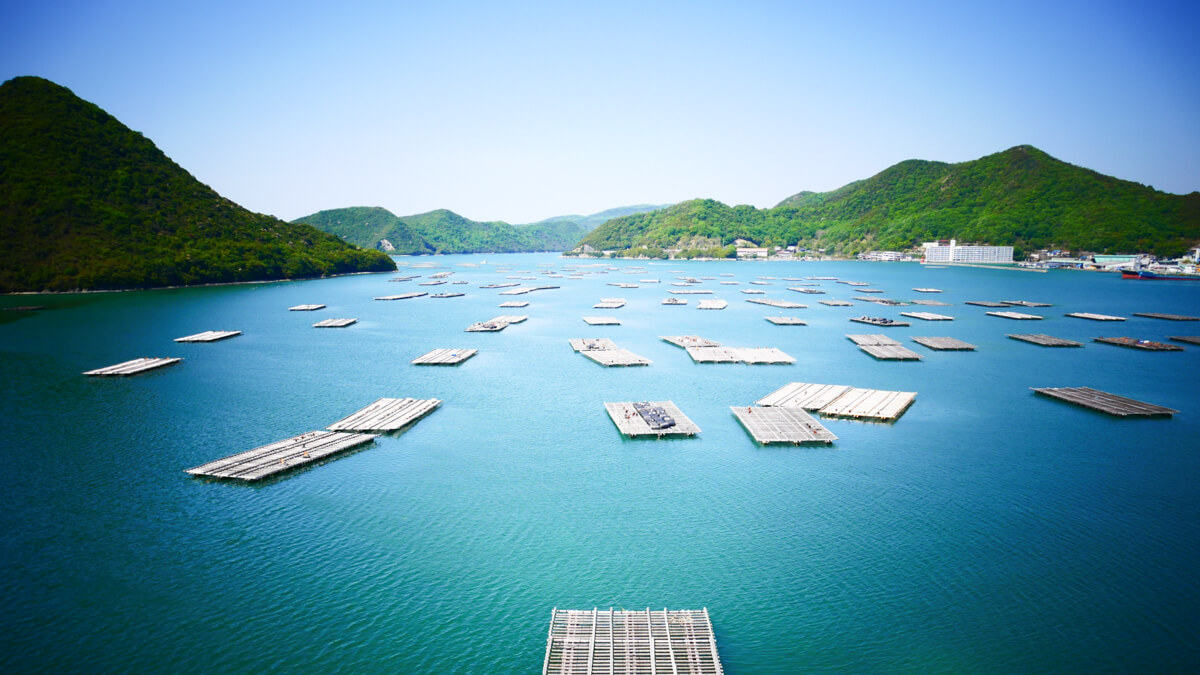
(1147, 275)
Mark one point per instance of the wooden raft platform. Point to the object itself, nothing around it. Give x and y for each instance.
(1024, 303)
(782, 425)
(601, 321)
(891, 352)
(496, 324)
(751, 355)
(286, 455)
(931, 303)
(133, 367)
(1167, 317)
(783, 304)
(686, 341)
(1094, 317)
(836, 303)
(335, 323)
(305, 308)
(630, 423)
(1190, 339)
(515, 304)
(674, 301)
(609, 303)
(402, 296)
(1105, 402)
(606, 352)
(927, 316)
(210, 336)
(624, 642)
(1045, 340)
(1148, 345)
(878, 321)
(986, 303)
(445, 357)
(387, 414)
(712, 304)
(841, 400)
(1019, 316)
(690, 291)
(785, 320)
(945, 344)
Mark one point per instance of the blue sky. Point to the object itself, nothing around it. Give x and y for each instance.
(521, 111)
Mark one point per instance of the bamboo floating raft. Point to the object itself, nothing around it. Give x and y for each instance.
(601, 321)
(447, 295)
(1190, 339)
(690, 291)
(674, 301)
(750, 355)
(986, 303)
(133, 367)
(1148, 345)
(606, 352)
(402, 296)
(785, 320)
(1094, 317)
(407, 278)
(928, 290)
(809, 291)
(1045, 340)
(686, 341)
(510, 284)
(931, 303)
(444, 357)
(852, 283)
(1167, 317)
(435, 282)
(783, 304)
(587, 344)
(884, 348)
(927, 316)
(650, 418)
(945, 344)
(836, 303)
(782, 425)
(731, 283)
(1105, 402)
(286, 455)
(753, 291)
(515, 304)
(527, 289)
(1024, 303)
(886, 302)
(879, 321)
(335, 323)
(609, 303)
(841, 400)
(870, 290)
(210, 336)
(387, 414)
(712, 304)
(1018, 316)
(305, 308)
(599, 642)
(497, 324)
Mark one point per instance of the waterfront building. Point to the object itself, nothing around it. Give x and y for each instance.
(951, 252)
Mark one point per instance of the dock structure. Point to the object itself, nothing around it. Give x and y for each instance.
(782, 425)
(712, 304)
(884, 348)
(1024, 303)
(1105, 402)
(878, 321)
(783, 304)
(1018, 316)
(945, 344)
(1045, 340)
(387, 414)
(927, 316)
(1148, 345)
(609, 303)
(401, 296)
(1167, 317)
(638, 419)
(133, 367)
(1190, 339)
(497, 324)
(986, 303)
(210, 336)
(335, 323)
(931, 303)
(613, 642)
(514, 304)
(751, 355)
(836, 303)
(1094, 317)
(674, 301)
(444, 357)
(686, 341)
(280, 456)
(841, 400)
(786, 320)
(601, 321)
(305, 308)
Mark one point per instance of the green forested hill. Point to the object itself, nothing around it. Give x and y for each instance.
(1021, 196)
(86, 203)
(442, 231)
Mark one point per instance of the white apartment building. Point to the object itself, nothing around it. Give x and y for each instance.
(951, 252)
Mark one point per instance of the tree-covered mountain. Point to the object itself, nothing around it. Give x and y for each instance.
(86, 203)
(1021, 196)
(589, 223)
(441, 231)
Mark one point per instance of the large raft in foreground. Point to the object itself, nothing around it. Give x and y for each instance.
(607, 642)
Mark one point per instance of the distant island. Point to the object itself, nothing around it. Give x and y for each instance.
(444, 231)
(88, 204)
(1021, 197)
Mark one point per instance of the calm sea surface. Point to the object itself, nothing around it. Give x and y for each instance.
(988, 530)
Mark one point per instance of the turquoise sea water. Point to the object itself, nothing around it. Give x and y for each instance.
(989, 530)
